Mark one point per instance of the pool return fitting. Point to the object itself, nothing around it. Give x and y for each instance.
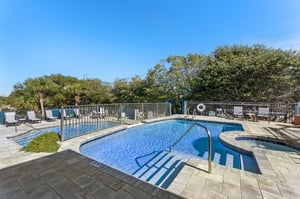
(208, 141)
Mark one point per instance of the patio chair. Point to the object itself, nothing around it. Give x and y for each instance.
(31, 117)
(49, 115)
(238, 111)
(263, 112)
(10, 118)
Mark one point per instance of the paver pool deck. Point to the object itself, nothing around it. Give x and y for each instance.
(68, 174)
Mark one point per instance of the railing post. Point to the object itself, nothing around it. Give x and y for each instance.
(62, 124)
(120, 114)
(209, 153)
(97, 112)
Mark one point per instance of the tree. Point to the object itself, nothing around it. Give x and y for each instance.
(42, 87)
(243, 73)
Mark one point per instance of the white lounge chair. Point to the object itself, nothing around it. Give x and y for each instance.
(238, 111)
(10, 118)
(99, 112)
(77, 113)
(149, 114)
(31, 117)
(49, 115)
(263, 112)
(64, 114)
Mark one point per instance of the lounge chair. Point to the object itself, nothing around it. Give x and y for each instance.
(99, 112)
(49, 115)
(149, 114)
(263, 112)
(238, 111)
(10, 118)
(77, 113)
(31, 117)
(64, 114)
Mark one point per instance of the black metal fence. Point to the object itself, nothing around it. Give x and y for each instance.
(278, 112)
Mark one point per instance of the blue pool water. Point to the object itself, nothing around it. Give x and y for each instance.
(130, 149)
(69, 131)
(267, 144)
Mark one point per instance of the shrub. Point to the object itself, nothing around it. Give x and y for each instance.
(43, 143)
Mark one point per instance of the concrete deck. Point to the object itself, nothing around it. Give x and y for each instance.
(279, 178)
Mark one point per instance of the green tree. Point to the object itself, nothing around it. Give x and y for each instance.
(243, 73)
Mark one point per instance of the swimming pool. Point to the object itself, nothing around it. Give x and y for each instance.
(267, 144)
(69, 131)
(131, 149)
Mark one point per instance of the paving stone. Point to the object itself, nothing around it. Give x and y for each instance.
(83, 181)
(287, 192)
(250, 195)
(249, 184)
(67, 189)
(30, 183)
(72, 161)
(56, 180)
(216, 195)
(268, 186)
(268, 195)
(135, 192)
(233, 191)
(211, 185)
(43, 191)
(13, 194)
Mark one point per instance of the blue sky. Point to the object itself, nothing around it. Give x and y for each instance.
(110, 39)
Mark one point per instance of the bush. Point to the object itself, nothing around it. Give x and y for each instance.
(44, 143)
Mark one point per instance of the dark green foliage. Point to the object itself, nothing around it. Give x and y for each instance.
(243, 73)
(43, 143)
(56, 90)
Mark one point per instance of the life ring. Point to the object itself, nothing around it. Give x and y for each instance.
(201, 107)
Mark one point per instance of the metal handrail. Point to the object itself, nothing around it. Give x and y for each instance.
(208, 141)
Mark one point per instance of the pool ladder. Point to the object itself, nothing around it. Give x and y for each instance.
(208, 141)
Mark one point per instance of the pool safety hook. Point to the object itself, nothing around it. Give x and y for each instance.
(208, 141)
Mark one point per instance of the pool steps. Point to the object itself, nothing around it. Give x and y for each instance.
(229, 160)
(205, 155)
(161, 169)
(217, 157)
(165, 165)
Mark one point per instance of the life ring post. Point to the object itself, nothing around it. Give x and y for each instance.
(201, 108)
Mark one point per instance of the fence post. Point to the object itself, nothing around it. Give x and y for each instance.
(120, 114)
(62, 124)
(156, 110)
(97, 114)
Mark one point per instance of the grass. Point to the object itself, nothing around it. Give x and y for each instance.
(44, 143)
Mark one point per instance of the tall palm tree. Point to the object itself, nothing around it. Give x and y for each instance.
(41, 86)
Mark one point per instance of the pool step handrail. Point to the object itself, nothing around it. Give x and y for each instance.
(208, 141)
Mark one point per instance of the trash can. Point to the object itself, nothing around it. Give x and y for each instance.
(297, 119)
